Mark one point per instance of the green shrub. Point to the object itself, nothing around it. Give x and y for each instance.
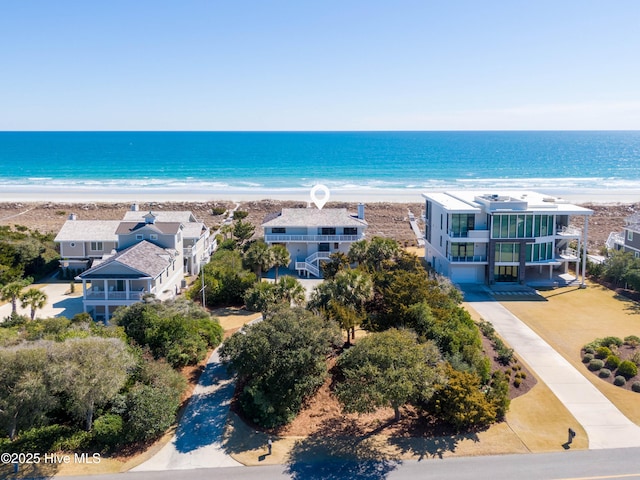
(603, 352)
(504, 355)
(604, 373)
(619, 381)
(632, 340)
(589, 349)
(78, 441)
(627, 369)
(218, 210)
(523, 375)
(609, 341)
(596, 364)
(612, 362)
(108, 429)
(635, 358)
(516, 382)
(635, 386)
(40, 439)
(587, 357)
(240, 214)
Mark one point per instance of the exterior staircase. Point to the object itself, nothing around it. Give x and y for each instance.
(311, 264)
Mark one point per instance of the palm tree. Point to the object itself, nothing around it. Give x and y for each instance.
(259, 257)
(352, 288)
(358, 251)
(34, 299)
(11, 291)
(281, 257)
(291, 290)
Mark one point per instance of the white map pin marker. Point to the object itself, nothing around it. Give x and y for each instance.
(320, 201)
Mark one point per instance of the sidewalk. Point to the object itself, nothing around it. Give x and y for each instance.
(605, 425)
(198, 440)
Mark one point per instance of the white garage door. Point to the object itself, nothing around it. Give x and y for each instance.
(466, 274)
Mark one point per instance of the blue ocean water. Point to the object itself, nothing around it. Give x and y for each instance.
(286, 160)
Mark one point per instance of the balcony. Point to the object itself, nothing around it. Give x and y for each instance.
(312, 238)
(567, 231)
(479, 235)
(94, 294)
(468, 259)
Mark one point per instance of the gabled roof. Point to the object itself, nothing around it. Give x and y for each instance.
(88, 231)
(311, 217)
(166, 228)
(161, 216)
(144, 257)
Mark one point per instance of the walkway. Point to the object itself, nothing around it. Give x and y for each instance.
(198, 439)
(605, 425)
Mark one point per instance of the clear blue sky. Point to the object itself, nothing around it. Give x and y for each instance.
(319, 65)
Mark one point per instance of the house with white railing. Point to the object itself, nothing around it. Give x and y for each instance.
(629, 239)
(146, 253)
(511, 237)
(311, 235)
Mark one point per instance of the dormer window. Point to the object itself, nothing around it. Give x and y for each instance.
(96, 246)
(139, 236)
(153, 236)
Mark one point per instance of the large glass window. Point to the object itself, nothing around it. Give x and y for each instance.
(461, 223)
(507, 252)
(462, 250)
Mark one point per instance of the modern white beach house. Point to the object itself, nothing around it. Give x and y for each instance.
(142, 254)
(311, 235)
(505, 237)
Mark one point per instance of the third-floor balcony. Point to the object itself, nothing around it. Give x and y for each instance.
(477, 235)
(281, 237)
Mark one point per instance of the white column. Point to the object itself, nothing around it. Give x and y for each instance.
(584, 256)
(105, 287)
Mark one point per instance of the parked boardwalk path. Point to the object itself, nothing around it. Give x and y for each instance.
(605, 425)
(198, 439)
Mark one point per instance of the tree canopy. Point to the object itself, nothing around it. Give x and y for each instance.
(280, 362)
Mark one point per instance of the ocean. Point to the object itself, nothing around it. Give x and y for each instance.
(411, 161)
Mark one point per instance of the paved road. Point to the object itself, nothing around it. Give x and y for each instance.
(605, 425)
(581, 464)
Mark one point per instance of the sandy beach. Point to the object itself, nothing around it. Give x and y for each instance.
(47, 208)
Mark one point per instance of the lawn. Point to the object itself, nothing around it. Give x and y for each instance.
(571, 317)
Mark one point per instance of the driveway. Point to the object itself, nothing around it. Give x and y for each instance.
(198, 439)
(605, 425)
(59, 302)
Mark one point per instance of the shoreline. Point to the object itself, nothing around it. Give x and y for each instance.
(367, 195)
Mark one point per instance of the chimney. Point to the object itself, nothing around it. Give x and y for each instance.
(72, 216)
(361, 211)
(134, 207)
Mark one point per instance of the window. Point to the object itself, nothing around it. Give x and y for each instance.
(461, 251)
(630, 235)
(96, 246)
(507, 252)
(350, 231)
(461, 223)
(328, 231)
(153, 236)
(72, 244)
(323, 247)
(278, 230)
(139, 236)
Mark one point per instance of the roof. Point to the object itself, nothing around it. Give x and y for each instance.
(88, 231)
(524, 201)
(451, 203)
(161, 216)
(310, 217)
(144, 257)
(167, 228)
(192, 229)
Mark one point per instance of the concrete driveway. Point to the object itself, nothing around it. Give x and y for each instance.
(59, 302)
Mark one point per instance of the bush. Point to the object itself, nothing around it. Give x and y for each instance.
(523, 375)
(632, 340)
(609, 341)
(635, 358)
(108, 429)
(240, 214)
(635, 387)
(603, 352)
(589, 349)
(619, 381)
(218, 210)
(604, 373)
(627, 369)
(596, 364)
(516, 383)
(78, 441)
(587, 357)
(612, 362)
(504, 355)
